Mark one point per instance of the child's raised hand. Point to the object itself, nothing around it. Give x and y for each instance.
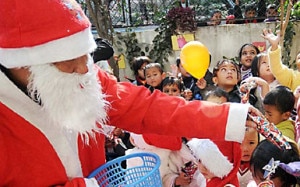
(201, 83)
(174, 70)
(254, 112)
(252, 82)
(273, 39)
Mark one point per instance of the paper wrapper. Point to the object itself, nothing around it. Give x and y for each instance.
(267, 183)
(246, 94)
(270, 132)
(189, 169)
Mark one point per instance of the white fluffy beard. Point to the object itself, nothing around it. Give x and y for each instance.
(73, 101)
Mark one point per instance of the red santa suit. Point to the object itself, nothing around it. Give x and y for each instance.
(35, 153)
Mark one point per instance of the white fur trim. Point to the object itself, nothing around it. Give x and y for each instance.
(66, 148)
(61, 49)
(140, 142)
(211, 157)
(236, 122)
(92, 182)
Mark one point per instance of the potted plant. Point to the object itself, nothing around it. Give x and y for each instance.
(181, 19)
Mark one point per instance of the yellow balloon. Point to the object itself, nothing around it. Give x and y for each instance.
(194, 57)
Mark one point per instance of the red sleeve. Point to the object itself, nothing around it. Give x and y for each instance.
(135, 109)
(167, 142)
(76, 182)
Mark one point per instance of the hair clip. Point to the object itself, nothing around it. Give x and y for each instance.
(270, 168)
(292, 168)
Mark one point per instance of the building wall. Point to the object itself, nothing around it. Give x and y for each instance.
(222, 40)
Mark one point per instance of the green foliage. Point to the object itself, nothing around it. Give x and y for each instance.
(132, 48)
(161, 48)
(296, 11)
(162, 45)
(289, 35)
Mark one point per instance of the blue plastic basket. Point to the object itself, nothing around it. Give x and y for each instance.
(113, 174)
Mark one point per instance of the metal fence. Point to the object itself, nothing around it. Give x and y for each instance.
(126, 13)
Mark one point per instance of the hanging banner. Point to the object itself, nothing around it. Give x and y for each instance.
(178, 41)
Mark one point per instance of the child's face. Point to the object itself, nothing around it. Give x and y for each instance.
(141, 71)
(171, 90)
(154, 76)
(216, 18)
(216, 99)
(249, 143)
(183, 72)
(250, 14)
(258, 177)
(273, 115)
(264, 68)
(248, 53)
(272, 12)
(204, 171)
(227, 76)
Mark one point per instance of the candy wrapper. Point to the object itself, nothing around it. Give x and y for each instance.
(267, 183)
(246, 93)
(270, 132)
(189, 169)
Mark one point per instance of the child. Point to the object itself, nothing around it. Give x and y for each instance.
(278, 105)
(117, 143)
(248, 145)
(189, 82)
(183, 170)
(261, 157)
(192, 88)
(226, 75)
(137, 66)
(216, 95)
(250, 14)
(262, 78)
(154, 75)
(172, 86)
(271, 13)
(261, 68)
(218, 161)
(215, 18)
(285, 76)
(246, 54)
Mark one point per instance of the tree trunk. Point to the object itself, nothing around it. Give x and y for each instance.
(100, 18)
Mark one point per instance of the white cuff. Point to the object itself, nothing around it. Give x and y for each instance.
(92, 182)
(236, 122)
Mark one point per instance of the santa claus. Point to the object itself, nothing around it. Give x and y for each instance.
(54, 102)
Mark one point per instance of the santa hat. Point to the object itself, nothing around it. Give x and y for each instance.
(42, 31)
(219, 157)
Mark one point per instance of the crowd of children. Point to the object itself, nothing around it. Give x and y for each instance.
(239, 13)
(259, 79)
